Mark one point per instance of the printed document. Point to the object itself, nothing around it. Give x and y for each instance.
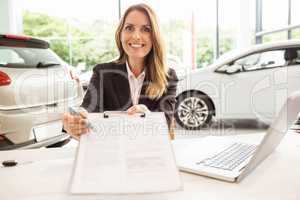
(125, 154)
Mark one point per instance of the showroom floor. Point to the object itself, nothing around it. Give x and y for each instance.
(217, 128)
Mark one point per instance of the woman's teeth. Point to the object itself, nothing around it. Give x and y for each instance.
(136, 45)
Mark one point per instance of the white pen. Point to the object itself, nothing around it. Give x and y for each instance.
(74, 112)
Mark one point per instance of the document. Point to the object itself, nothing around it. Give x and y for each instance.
(125, 154)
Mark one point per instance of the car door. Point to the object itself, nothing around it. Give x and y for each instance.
(250, 87)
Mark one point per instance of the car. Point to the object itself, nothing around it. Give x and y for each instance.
(36, 88)
(243, 84)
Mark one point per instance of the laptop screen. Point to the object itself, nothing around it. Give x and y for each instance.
(275, 133)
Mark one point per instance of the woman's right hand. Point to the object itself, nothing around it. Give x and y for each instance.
(75, 125)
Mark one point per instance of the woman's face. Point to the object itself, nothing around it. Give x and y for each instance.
(136, 35)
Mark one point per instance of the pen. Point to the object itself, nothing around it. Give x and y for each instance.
(12, 163)
(74, 112)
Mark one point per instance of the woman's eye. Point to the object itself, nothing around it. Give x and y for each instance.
(147, 29)
(128, 28)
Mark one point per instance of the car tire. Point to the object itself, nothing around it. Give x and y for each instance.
(193, 110)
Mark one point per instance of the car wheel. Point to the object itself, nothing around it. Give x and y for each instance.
(193, 110)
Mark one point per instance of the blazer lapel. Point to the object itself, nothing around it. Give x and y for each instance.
(121, 86)
(143, 97)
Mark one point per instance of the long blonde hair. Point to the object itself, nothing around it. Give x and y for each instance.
(155, 60)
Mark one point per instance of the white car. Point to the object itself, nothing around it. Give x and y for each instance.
(36, 87)
(249, 84)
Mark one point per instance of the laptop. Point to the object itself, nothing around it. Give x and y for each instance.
(229, 160)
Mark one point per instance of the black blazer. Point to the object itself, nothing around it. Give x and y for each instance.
(109, 90)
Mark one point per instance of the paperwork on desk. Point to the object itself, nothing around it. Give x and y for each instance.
(125, 154)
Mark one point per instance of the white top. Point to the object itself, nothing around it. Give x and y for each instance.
(135, 84)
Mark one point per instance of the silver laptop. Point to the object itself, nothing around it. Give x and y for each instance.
(221, 158)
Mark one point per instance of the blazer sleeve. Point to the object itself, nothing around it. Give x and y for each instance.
(92, 96)
(168, 100)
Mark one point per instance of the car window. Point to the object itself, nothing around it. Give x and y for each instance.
(249, 60)
(263, 60)
(292, 56)
(26, 57)
(9, 56)
(297, 61)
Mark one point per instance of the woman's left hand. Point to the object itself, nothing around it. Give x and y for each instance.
(139, 108)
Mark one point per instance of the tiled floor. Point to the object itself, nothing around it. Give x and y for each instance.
(217, 128)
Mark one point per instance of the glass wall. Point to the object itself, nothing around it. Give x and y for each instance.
(295, 33)
(274, 14)
(295, 18)
(82, 34)
(205, 32)
(228, 24)
(295, 14)
(174, 24)
(277, 17)
(188, 28)
(275, 37)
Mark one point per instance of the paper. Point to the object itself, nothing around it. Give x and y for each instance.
(126, 154)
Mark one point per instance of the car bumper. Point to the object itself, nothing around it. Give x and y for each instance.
(33, 127)
(31, 144)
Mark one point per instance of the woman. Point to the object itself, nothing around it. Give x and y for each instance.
(138, 81)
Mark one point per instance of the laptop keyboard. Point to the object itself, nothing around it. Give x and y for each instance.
(231, 157)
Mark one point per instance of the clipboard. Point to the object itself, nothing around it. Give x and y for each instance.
(132, 155)
(108, 114)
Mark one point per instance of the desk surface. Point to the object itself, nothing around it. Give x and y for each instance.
(48, 177)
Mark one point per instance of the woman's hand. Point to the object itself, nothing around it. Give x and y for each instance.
(139, 108)
(76, 125)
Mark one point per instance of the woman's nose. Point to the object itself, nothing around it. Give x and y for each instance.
(137, 34)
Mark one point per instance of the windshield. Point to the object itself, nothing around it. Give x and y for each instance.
(21, 57)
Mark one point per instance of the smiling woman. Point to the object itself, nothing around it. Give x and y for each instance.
(136, 40)
(138, 81)
(141, 23)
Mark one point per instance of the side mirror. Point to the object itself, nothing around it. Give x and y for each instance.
(271, 62)
(268, 63)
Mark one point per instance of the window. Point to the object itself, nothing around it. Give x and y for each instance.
(249, 60)
(9, 56)
(275, 37)
(296, 33)
(295, 14)
(82, 36)
(26, 57)
(297, 60)
(275, 15)
(268, 59)
(292, 56)
(229, 23)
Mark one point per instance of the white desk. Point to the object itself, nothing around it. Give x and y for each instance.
(276, 178)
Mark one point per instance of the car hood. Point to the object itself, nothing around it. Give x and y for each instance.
(205, 80)
(206, 73)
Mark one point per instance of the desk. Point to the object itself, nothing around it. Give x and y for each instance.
(48, 178)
